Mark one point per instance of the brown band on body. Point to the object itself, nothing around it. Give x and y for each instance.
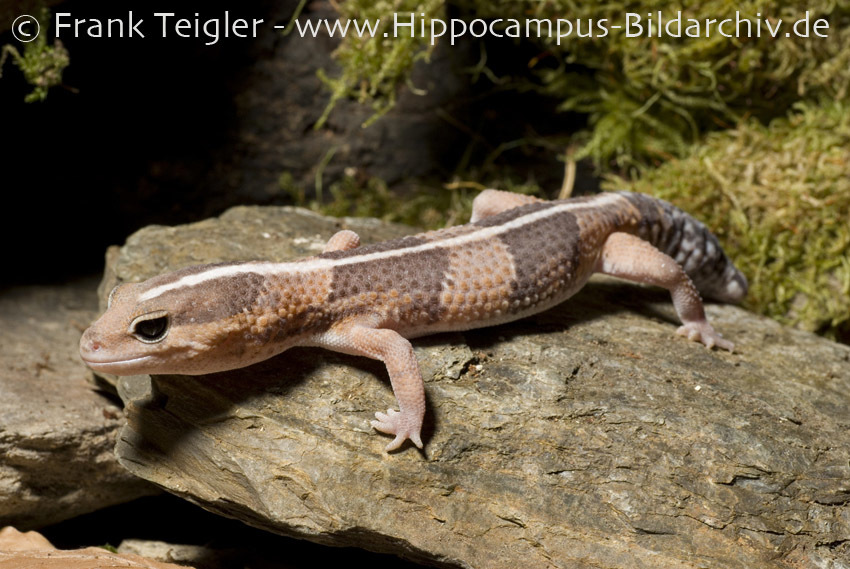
(544, 253)
(410, 283)
(217, 299)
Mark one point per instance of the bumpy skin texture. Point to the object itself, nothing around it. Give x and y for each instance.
(517, 257)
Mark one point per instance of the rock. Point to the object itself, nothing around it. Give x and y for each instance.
(31, 550)
(14, 540)
(587, 436)
(255, 549)
(170, 552)
(56, 432)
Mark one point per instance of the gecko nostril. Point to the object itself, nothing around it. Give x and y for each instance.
(95, 346)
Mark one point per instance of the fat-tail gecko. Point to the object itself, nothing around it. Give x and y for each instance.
(519, 255)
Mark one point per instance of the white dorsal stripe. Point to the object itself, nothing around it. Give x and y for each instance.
(265, 268)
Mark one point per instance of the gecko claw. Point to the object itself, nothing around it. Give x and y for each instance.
(402, 425)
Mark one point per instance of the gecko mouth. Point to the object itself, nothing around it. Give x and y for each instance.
(115, 366)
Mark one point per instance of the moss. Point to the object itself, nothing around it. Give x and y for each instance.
(372, 67)
(41, 64)
(647, 99)
(779, 198)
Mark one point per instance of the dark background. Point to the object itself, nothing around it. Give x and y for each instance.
(123, 145)
(168, 131)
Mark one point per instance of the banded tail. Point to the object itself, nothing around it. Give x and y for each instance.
(692, 245)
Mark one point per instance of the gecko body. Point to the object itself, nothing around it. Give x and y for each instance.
(518, 256)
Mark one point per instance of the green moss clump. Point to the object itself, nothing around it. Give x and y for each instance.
(41, 64)
(372, 67)
(779, 198)
(647, 98)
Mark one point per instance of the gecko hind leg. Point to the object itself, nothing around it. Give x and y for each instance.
(492, 202)
(629, 257)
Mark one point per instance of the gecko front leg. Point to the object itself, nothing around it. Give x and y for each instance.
(342, 241)
(359, 338)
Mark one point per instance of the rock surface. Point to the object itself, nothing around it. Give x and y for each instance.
(32, 551)
(587, 436)
(169, 552)
(56, 432)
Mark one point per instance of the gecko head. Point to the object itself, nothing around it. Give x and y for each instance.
(130, 337)
(141, 332)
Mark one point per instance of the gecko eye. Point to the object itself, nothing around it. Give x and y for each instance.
(150, 328)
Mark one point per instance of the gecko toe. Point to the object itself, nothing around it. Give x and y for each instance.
(703, 332)
(395, 444)
(402, 425)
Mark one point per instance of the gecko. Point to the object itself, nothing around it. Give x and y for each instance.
(518, 255)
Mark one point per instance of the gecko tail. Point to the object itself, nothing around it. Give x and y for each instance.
(692, 245)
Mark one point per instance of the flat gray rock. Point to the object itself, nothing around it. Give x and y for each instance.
(587, 436)
(56, 432)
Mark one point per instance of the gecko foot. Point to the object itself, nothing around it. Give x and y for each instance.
(402, 425)
(702, 331)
